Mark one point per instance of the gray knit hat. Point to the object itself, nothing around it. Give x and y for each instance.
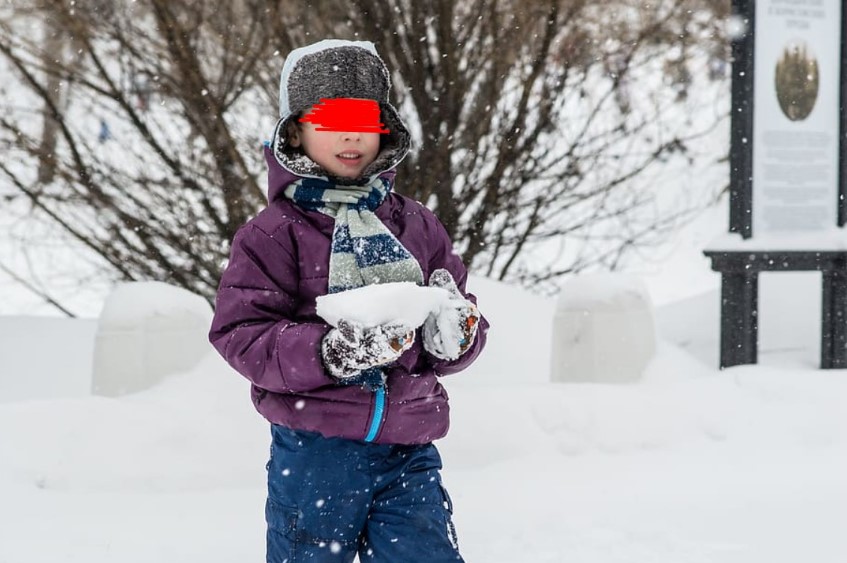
(336, 68)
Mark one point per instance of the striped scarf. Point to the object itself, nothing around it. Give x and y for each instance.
(364, 252)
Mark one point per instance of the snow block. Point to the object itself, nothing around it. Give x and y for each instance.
(147, 331)
(45, 358)
(603, 330)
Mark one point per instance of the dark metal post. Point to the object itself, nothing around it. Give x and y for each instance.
(833, 321)
(842, 149)
(739, 318)
(834, 290)
(741, 123)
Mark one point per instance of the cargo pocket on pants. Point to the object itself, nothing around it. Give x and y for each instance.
(282, 527)
(447, 503)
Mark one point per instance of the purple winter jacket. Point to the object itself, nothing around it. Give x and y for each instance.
(266, 327)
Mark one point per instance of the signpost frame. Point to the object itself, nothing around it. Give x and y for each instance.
(740, 269)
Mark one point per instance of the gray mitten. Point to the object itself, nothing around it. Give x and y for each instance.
(351, 347)
(450, 331)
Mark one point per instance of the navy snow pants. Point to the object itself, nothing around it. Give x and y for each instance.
(330, 498)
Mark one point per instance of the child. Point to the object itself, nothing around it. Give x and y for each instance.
(353, 409)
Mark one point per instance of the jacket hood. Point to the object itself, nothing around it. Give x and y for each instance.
(336, 68)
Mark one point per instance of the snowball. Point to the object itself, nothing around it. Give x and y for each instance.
(399, 302)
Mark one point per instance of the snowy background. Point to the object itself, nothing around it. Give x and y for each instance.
(691, 464)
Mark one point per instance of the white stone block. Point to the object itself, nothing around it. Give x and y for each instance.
(147, 331)
(603, 330)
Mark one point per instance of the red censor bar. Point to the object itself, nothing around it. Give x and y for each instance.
(346, 114)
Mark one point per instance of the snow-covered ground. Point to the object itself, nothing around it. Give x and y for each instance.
(691, 464)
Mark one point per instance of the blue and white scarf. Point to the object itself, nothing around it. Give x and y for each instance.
(364, 252)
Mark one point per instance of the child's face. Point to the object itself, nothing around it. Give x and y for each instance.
(333, 149)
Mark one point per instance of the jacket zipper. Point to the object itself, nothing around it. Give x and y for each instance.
(379, 409)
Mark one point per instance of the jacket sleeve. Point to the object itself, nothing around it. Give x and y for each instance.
(253, 327)
(443, 256)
